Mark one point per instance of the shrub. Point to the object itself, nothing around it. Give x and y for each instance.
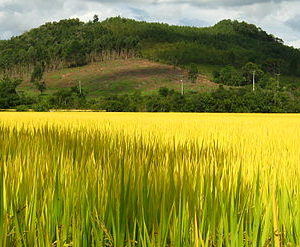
(41, 107)
(22, 108)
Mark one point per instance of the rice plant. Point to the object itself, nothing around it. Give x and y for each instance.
(149, 180)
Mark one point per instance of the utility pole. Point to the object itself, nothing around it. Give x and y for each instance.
(182, 87)
(80, 89)
(278, 74)
(253, 80)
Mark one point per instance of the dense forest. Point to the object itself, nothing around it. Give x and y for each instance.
(74, 43)
(236, 47)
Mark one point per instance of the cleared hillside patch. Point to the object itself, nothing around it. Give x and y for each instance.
(123, 76)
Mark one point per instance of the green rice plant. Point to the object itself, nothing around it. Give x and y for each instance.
(155, 180)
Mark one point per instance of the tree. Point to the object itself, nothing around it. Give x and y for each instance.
(8, 94)
(293, 66)
(68, 98)
(274, 66)
(37, 76)
(41, 86)
(193, 72)
(248, 71)
(38, 72)
(95, 19)
(271, 84)
(230, 76)
(75, 53)
(231, 57)
(163, 91)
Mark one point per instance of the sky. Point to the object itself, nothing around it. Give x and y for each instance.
(277, 17)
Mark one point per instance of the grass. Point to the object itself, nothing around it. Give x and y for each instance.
(121, 77)
(132, 75)
(124, 180)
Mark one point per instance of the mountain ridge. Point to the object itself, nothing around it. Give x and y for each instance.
(71, 42)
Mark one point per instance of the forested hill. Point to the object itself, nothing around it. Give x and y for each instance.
(71, 42)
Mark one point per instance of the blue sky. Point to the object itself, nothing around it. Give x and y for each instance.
(280, 18)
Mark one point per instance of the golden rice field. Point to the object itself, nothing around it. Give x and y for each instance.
(149, 180)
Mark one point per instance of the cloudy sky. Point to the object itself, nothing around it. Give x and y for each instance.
(278, 17)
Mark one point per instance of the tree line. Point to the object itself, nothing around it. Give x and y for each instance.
(243, 51)
(67, 43)
(223, 99)
(71, 42)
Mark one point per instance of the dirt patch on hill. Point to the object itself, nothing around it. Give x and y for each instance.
(142, 74)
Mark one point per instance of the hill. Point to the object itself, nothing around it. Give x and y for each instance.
(126, 65)
(71, 43)
(121, 77)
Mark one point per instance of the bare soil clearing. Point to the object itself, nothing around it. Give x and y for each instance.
(123, 76)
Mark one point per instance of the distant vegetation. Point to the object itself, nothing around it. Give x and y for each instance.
(74, 43)
(237, 50)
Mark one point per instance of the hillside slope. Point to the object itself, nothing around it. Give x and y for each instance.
(71, 43)
(121, 77)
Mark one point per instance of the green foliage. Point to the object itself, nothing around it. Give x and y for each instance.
(8, 94)
(65, 43)
(74, 43)
(294, 66)
(164, 91)
(236, 47)
(249, 69)
(38, 72)
(193, 72)
(222, 100)
(26, 99)
(265, 81)
(41, 86)
(37, 76)
(22, 108)
(274, 66)
(75, 53)
(95, 19)
(68, 98)
(233, 77)
(230, 76)
(272, 84)
(123, 103)
(42, 106)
